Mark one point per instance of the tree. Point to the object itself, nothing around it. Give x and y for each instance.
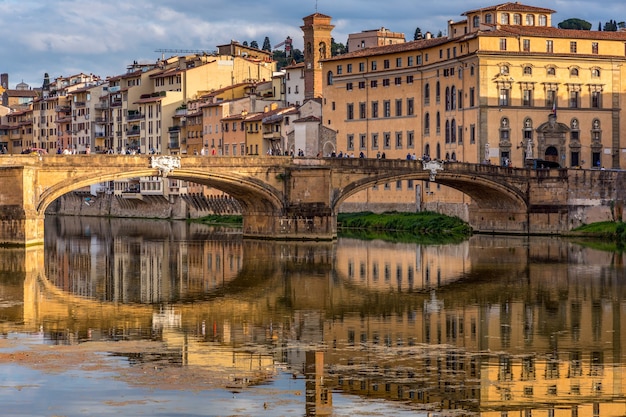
(267, 46)
(245, 43)
(610, 26)
(336, 48)
(574, 23)
(418, 34)
(440, 34)
(254, 44)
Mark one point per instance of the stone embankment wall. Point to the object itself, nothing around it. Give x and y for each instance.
(145, 206)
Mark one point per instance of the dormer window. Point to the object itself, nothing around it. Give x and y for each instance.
(517, 19)
(504, 19)
(530, 20)
(476, 21)
(488, 18)
(543, 20)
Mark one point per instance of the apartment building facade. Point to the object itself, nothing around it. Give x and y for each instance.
(504, 87)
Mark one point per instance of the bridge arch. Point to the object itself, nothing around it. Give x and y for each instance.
(253, 195)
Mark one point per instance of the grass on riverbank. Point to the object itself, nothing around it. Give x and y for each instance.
(428, 226)
(609, 231)
(215, 219)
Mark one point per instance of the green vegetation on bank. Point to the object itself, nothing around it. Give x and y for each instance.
(216, 219)
(426, 227)
(610, 232)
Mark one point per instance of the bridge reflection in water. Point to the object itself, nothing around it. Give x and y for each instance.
(493, 325)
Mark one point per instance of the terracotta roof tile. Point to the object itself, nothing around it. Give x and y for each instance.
(552, 32)
(390, 49)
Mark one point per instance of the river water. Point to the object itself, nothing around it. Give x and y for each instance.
(148, 317)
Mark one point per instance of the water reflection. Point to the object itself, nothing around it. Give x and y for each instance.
(495, 326)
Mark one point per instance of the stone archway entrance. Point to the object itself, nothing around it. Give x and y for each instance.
(551, 140)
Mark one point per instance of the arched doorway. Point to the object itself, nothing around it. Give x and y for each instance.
(551, 154)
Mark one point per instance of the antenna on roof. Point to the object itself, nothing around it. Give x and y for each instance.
(315, 6)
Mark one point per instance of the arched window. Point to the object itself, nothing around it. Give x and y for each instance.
(329, 78)
(551, 71)
(476, 21)
(530, 20)
(454, 156)
(488, 18)
(573, 72)
(447, 131)
(543, 20)
(527, 133)
(427, 149)
(448, 101)
(427, 94)
(438, 151)
(453, 131)
(595, 73)
(505, 130)
(438, 123)
(517, 19)
(453, 98)
(504, 19)
(427, 123)
(528, 70)
(437, 92)
(504, 69)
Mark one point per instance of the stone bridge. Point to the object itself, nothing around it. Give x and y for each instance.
(287, 198)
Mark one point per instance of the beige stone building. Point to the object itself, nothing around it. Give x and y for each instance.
(374, 37)
(484, 93)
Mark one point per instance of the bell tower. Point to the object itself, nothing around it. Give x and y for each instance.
(317, 42)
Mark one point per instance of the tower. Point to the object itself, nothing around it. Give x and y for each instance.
(317, 43)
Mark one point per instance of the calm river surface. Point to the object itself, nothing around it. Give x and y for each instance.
(155, 318)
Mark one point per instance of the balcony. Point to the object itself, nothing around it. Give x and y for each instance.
(116, 103)
(79, 104)
(272, 136)
(62, 109)
(102, 106)
(102, 120)
(135, 116)
(135, 131)
(174, 129)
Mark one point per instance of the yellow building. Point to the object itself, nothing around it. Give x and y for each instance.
(504, 87)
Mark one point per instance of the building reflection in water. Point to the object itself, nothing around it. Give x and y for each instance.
(497, 326)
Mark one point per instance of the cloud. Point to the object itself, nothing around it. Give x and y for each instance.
(65, 37)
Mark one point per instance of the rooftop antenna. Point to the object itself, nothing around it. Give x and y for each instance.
(315, 6)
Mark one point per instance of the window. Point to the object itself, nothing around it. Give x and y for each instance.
(329, 78)
(503, 44)
(476, 21)
(504, 19)
(410, 140)
(488, 18)
(427, 94)
(426, 124)
(348, 86)
(349, 68)
(438, 123)
(471, 97)
(397, 80)
(398, 107)
(528, 70)
(549, 46)
(596, 99)
(361, 66)
(409, 61)
(361, 85)
(373, 84)
(574, 97)
(551, 98)
(350, 111)
(542, 20)
(472, 131)
(409, 79)
(551, 71)
(573, 72)
(398, 140)
(530, 20)
(373, 65)
(526, 45)
(350, 142)
(594, 48)
(527, 97)
(385, 82)
(572, 47)
(387, 140)
(362, 111)
(438, 92)
(517, 19)
(362, 142)
(504, 97)
(595, 73)
(374, 109)
(386, 64)
(504, 69)
(374, 140)
(339, 69)
(398, 62)
(410, 106)
(386, 108)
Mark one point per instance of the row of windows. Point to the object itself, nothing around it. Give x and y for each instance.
(410, 61)
(386, 82)
(516, 18)
(382, 142)
(574, 99)
(386, 109)
(573, 46)
(551, 71)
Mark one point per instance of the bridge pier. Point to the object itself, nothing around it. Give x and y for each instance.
(301, 222)
(20, 223)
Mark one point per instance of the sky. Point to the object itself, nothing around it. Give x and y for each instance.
(67, 37)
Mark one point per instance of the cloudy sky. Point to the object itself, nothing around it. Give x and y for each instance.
(67, 37)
